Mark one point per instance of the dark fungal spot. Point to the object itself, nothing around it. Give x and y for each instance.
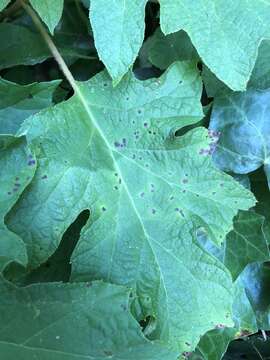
(127, 98)
(140, 158)
(31, 162)
(105, 84)
(115, 187)
(115, 174)
(139, 111)
(88, 284)
(17, 184)
(197, 195)
(180, 82)
(133, 156)
(213, 193)
(153, 211)
(108, 353)
(30, 96)
(142, 194)
(171, 197)
(117, 144)
(146, 165)
(123, 306)
(149, 132)
(9, 193)
(185, 181)
(145, 124)
(176, 209)
(119, 181)
(103, 208)
(221, 184)
(44, 177)
(188, 344)
(15, 189)
(17, 178)
(183, 191)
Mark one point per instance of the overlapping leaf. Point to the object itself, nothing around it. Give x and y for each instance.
(72, 321)
(18, 102)
(50, 11)
(242, 116)
(17, 166)
(3, 4)
(114, 152)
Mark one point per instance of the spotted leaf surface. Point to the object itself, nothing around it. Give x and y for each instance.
(35, 324)
(17, 166)
(114, 152)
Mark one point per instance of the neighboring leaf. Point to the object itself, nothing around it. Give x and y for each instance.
(118, 28)
(213, 344)
(114, 152)
(18, 102)
(164, 50)
(242, 116)
(50, 11)
(260, 77)
(225, 33)
(246, 243)
(3, 4)
(17, 167)
(72, 321)
(20, 46)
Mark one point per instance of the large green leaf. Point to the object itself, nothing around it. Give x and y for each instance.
(18, 102)
(114, 152)
(17, 166)
(242, 116)
(72, 321)
(50, 11)
(226, 33)
(118, 28)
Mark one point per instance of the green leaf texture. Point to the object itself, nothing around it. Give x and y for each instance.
(50, 11)
(242, 116)
(72, 321)
(3, 4)
(17, 166)
(226, 33)
(17, 102)
(118, 28)
(114, 152)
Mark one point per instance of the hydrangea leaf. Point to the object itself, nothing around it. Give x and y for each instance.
(225, 33)
(17, 167)
(3, 4)
(260, 77)
(242, 116)
(114, 152)
(118, 28)
(50, 11)
(72, 321)
(17, 102)
(164, 50)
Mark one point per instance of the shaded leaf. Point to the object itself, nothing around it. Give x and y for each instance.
(242, 116)
(18, 102)
(72, 321)
(17, 167)
(226, 32)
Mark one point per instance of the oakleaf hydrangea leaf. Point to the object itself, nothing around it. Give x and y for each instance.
(50, 11)
(72, 321)
(17, 166)
(17, 102)
(226, 33)
(114, 152)
(118, 28)
(242, 116)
